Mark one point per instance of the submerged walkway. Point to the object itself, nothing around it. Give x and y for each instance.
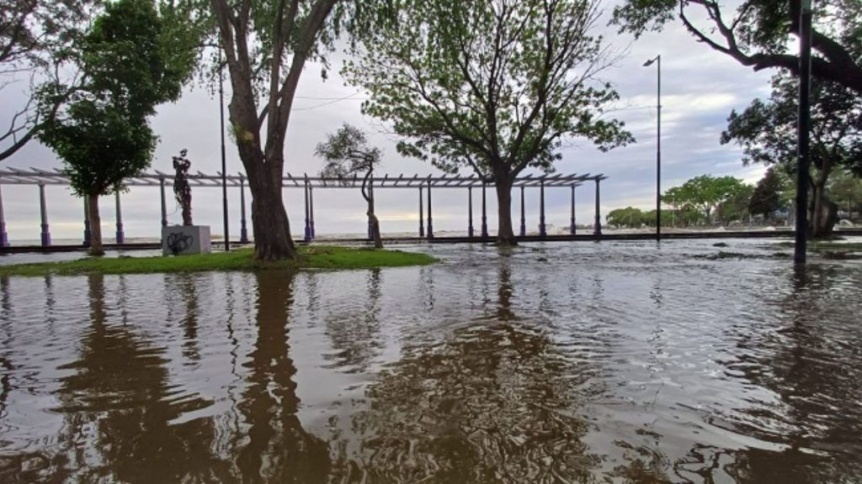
(747, 234)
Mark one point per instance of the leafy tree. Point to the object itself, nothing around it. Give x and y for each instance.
(34, 38)
(266, 46)
(626, 217)
(767, 132)
(668, 218)
(755, 32)
(493, 86)
(766, 198)
(347, 154)
(103, 135)
(846, 189)
(735, 207)
(704, 193)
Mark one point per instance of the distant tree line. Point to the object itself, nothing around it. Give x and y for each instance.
(707, 200)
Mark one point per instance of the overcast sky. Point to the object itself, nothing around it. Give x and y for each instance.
(699, 89)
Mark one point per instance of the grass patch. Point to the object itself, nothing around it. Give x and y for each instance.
(311, 257)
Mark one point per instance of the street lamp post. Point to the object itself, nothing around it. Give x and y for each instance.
(657, 61)
(223, 162)
(803, 127)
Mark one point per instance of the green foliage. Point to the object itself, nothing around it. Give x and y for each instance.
(767, 197)
(347, 153)
(129, 67)
(766, 130)
(494, 86)
(846, 190)
(35, 37)
(735, 207)
(100, 146)
(755, 32)
(626, 217)
(312, 257)
(704, 193)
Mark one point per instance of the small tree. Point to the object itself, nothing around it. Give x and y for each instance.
(347, 154)
(103, 136)
(846, 189)
(492, 86)
(766, 198)
(100, 147)
(626, 217)
(735, 207)
(704, 193)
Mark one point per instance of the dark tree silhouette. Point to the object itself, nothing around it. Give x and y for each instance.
(347, 154)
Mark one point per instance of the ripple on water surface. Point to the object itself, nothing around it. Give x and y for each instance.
(612, 362)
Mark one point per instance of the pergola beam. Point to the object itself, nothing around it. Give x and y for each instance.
(35, 176)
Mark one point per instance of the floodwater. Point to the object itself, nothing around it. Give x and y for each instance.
(578, 362)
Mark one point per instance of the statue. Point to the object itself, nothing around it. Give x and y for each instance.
(182, 190)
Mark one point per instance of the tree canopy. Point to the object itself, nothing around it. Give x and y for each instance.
(766, 130)
(756, 32)
(102, 134)
(767, 196)
(496, 87)
(704, 193)
(35, 36)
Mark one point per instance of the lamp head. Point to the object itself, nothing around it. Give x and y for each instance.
(650, 62)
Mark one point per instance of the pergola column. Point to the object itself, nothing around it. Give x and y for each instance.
(243, 231)
(430, 226)
(542, 231)
(4, 238)
(164, 204)
(311, 209)
(573, 228)
(597, 228)
(307, 232)
(421, 213)
(46, 235)
(484, 213)
(470, 212)
(523, 215)
(121, 236)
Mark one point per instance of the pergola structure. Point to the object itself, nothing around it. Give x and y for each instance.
(43, 178)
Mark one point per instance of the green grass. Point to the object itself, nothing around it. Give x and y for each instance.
(311, 257)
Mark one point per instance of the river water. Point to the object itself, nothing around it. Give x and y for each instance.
(571, 362)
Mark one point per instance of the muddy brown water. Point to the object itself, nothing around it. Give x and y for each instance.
(550, 363)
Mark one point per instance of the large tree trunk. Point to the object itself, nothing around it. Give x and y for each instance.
(272, 239)
(95, 226)
(373, 222)
(505, 233)
(375, 229)
(824, 213)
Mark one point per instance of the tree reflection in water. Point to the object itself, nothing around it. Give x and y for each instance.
(119, 408)
(491, 402)
(278, 449)
(355, 332)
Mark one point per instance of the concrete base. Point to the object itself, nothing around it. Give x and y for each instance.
(184, 240)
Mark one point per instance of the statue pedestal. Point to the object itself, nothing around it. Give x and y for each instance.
(186, 239)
